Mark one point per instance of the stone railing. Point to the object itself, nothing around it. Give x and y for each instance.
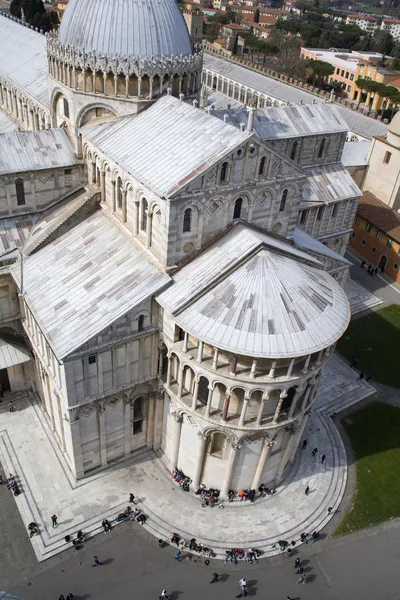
(302, 85)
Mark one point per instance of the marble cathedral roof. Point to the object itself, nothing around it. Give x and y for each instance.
(166, 146)
(80, 283)
(255, 295)
(139, 28)
(23, 58)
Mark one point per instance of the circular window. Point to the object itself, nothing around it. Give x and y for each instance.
(276, 227)
(239, 152)
(188, 247)
(252, 151)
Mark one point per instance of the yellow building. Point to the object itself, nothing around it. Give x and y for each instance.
(377, 73)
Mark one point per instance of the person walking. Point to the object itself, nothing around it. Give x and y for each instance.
(11, 406)
(70, 596)
(302, 579)
(304, 446)
(361, 376)
(96, 562)
(323, 459)
(307, 490)
(297, 563)
(106, 525)
(215, 578)
(243, 585)
(54, 521)
(132, 499)
(61, 597)
(178, 555)
(314, 452)
(164, 595)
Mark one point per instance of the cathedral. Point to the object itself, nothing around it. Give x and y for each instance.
(171, 273)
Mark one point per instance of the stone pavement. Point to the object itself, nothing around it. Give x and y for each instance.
(359, 297)
(27, 449)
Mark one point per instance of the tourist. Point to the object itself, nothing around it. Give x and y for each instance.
(141, 519)
(330, 509)
(132, 499)
(11, 406)
(178, 555)
(362, 264)
(307, 490)
(54, 521)
(252, 495)
(354, 364)
(314, 452)
(70, 596)
(164, 595)
(96, 562)
(106, 525)
(61, 597)
(302, 579)
(297, 563)
(215, 578)
(361, 376)
(243, 585)
(323, 459)
(304, 446)
(315, 536)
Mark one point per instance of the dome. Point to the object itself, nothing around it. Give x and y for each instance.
(393, 136)
(136, 28)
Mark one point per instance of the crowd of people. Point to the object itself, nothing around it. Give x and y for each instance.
(11, 484)
(183, 480)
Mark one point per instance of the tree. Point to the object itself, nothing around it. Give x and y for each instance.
(288, 57)
(383, 43)
(320, 70)
(34, 13)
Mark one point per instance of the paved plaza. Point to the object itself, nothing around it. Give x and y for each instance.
(359, 297)
(27, 449)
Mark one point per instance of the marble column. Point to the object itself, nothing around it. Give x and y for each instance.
(290, 368)
(209, 401)
(114, 195)
(103, 186)
(253, 369)
(306, 364)
(168, 382)
(271, 373)
(243, 412)
(279, 406)
(124, 206)
(149, 230)
(229, 471)
(128, 425)
(185, 342)
(225, 409)
(195, 394)
(265, 453)
(199, 460)
(102, 432)
(215, 359)
(150, 420)
(180, 381)
(136, 218)
(294, 403)
(200, 351)
(176, 440)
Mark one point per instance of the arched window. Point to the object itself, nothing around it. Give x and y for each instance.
(187, 220)
(140, 326)
(224, 172)
(283, 201)
(262, 166)
(19, 189)
(145, 206)
(321, 148)
(119, 193)
(238, 208)
(294, 150)
(66, 108)
(138, 416)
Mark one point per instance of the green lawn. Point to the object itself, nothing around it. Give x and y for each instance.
(375, 341)
(374, 435)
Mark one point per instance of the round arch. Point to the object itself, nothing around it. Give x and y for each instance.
(89, 107)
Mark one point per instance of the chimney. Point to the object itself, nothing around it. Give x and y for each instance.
(196, 103)
(181, 97)
(250, 121)
(169, 91)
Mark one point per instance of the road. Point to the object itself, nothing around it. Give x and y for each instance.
(363, 566)
(378, 284)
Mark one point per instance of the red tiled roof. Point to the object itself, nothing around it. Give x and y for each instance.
(380, 215)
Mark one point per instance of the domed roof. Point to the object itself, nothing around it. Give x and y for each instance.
(125, 27)
(393, 135)
(394, 125)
